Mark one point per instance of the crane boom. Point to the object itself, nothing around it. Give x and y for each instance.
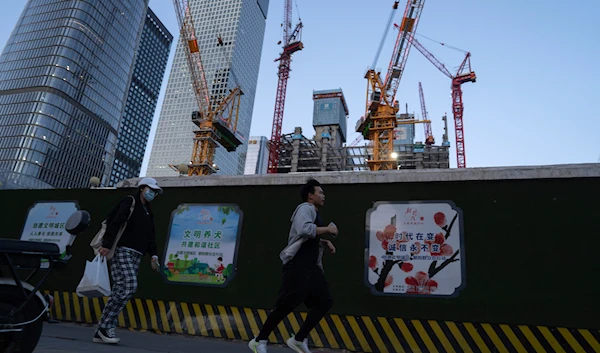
(385, 33)
(410, 21)
(291, 44)
(429, 139)
(431, 57)
(213, 127)
(356, 141)
(188, 32)
(457, 103)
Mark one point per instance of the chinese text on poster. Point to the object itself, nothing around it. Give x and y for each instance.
(202, 244)
(46, 223)
(415, 249)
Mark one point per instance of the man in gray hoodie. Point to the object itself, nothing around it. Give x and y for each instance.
(303, 277)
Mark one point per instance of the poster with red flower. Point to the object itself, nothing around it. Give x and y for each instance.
(415, 249)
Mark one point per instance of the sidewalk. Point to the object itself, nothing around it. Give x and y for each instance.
(75, 338)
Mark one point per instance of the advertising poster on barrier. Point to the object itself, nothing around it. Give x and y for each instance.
(46, 223)
(202, 244)
(415, 249)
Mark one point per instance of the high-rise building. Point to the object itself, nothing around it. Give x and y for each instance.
(64, 78)
(230, 37)
(404, 134)
(330, 113)
(257, 156)
(151, 61)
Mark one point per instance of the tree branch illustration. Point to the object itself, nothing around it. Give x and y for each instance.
(449, 227)
(433, 270)
(387, 266)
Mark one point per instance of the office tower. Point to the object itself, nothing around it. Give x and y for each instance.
(329, 116)
(64, 77)
(230, 36)
(151, 61)
(257, 156)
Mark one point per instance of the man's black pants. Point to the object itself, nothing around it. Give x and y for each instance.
(300, 284)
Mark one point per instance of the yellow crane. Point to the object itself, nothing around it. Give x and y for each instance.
(217, 116)
(380, 119)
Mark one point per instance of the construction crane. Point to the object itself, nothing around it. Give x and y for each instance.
(356, 141)
(399, 122)
(457, 103)
(429, 139)
(216, 116)
(380, 119)
(291, 44)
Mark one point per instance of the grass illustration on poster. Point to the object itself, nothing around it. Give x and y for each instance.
(202, 244)
(415, 249)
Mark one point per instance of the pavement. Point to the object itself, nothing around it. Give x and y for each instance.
(75, 338)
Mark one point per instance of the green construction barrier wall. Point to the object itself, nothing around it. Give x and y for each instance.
(531, 247)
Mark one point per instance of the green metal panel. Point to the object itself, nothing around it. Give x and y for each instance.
(530, 247)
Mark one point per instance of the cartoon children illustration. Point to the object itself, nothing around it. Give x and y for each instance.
(219, 269)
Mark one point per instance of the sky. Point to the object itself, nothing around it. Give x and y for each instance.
(536, 86)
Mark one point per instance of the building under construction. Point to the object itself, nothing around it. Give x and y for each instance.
(326, 151)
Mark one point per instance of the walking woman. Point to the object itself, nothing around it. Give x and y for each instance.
(138, 239)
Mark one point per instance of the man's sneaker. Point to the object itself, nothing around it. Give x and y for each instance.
(300, 347)
(258, 346)
(106, 336)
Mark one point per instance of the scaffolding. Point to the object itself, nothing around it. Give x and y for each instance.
(301, 154)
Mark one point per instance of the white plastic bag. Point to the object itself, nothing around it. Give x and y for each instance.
(95, 281)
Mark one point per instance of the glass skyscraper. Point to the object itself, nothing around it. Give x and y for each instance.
(257, 156)
(64, 76)
(230, 36)
(151, 61)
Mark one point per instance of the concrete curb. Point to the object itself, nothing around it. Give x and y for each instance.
(356, 334)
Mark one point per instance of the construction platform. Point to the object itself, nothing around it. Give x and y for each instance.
(301, 154)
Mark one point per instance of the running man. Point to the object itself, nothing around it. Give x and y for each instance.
(303, 277)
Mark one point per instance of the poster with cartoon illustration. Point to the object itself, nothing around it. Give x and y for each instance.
(202, 244)
(46, 223)
(415, 249)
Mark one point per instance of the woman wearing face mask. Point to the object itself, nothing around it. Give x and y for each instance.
(138, 239)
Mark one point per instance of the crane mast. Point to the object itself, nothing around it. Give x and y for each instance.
(291, 44)
(380, 119)
(429, 139)
(218, 125)
(457, 104)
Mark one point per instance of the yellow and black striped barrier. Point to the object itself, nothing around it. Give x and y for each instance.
(354, 333)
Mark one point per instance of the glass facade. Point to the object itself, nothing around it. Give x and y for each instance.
(151, 61)
(257, 158)
(405, 133)
(240, 26)
(64, 76)
(331, 111)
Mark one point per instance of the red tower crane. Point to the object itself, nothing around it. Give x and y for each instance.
(429, 139)
(356, 141)
(457, 103)
(291, 44)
